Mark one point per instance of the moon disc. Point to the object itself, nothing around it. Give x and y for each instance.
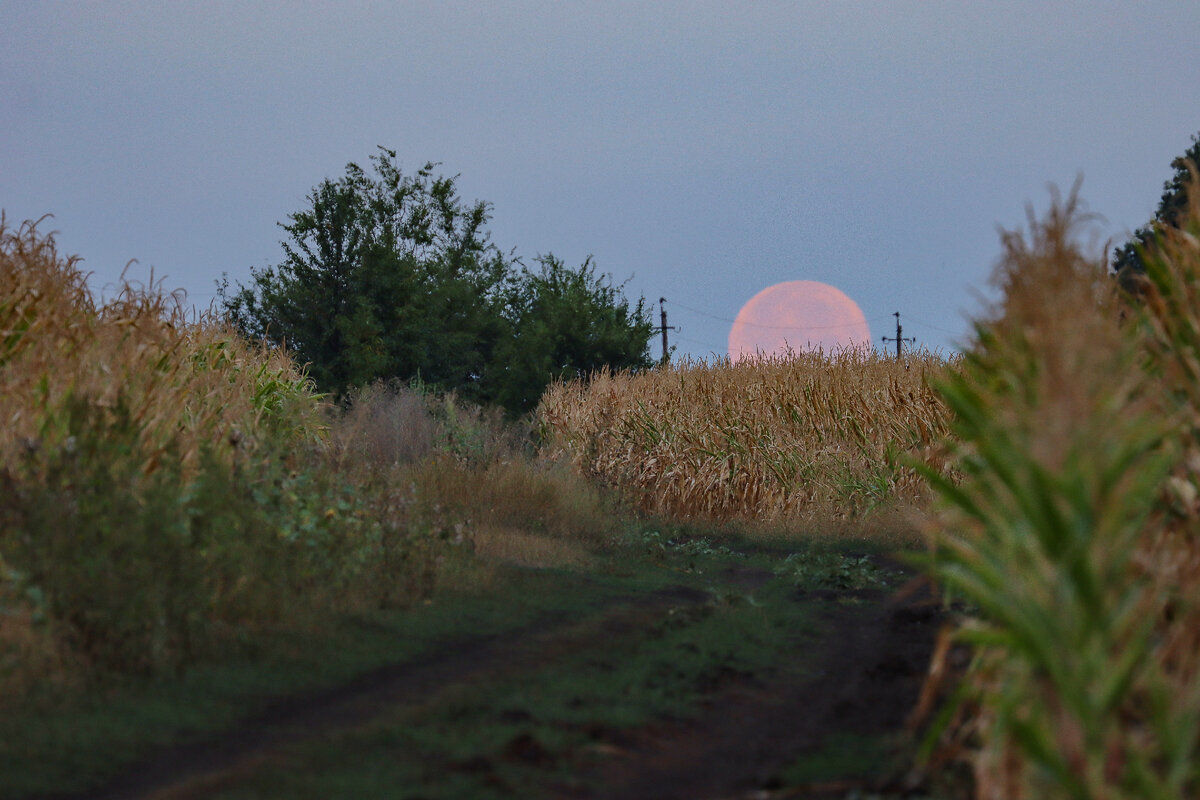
(800, 315)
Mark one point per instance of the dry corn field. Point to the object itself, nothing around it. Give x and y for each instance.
(774, 439)
(186, 384)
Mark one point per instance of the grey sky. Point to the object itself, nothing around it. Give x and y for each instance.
(706, 149)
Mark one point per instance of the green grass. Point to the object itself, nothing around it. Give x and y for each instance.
(842, 756)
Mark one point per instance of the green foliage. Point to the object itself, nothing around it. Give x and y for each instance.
(566, 324)
(383, 276)
(817, 569)
(1064, 635)
(685, 553)
(391, 276)
(281, 398)
(1172, 211)
(1052, 511)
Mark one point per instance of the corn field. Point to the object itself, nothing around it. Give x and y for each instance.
(772, 439)
(1070, 529)
(187, 383)
(163, 482)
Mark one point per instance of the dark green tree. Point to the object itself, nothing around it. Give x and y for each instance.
(392, 276)
(384, 275)
(1172, 209)
(566, 323)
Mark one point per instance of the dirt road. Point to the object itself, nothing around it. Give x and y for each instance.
(733, 683)
(870, 664)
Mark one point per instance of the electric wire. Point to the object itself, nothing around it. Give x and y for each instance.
(908, 319)
(775, 327)
(710, 346)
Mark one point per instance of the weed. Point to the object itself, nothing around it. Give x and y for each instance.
(701, 547)
(814, 569)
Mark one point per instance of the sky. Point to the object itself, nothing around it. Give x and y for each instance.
(699, 152)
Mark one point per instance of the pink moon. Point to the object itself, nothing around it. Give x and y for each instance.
(797, 315)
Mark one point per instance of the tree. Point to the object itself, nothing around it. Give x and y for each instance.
(383, 275)
(566, 324)
(392, 276)
(1172, 209)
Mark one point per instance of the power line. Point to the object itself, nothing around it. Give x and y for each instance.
(701, 313)
(774, 327)
(710, 346)
(933, 327)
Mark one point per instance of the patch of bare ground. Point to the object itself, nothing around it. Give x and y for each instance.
(873, 658)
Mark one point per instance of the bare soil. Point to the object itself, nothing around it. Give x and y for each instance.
(873, 659)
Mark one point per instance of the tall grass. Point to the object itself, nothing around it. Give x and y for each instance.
(1070, 523)
(769, 439)
(479, 468)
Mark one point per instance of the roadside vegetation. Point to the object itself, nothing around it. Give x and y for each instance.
(167, 490)
(1069, 520)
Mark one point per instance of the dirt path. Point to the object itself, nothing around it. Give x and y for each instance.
(860, 680)
(873, 663)
(199, 769)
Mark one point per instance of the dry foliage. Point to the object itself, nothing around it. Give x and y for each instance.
(187, 384)
(771, 439)
(478, 472)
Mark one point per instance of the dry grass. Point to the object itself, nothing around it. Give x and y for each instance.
(783, 438)
(525, 510)
(518, 546)
(477, 469)
(384, 425)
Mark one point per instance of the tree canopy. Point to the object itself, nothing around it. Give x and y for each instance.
(388, 275)
(565, 324)
(1172, 209)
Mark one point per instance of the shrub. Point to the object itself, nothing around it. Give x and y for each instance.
(384, 425)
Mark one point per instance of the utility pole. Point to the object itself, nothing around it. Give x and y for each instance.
(899, 339)
(663, 328)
